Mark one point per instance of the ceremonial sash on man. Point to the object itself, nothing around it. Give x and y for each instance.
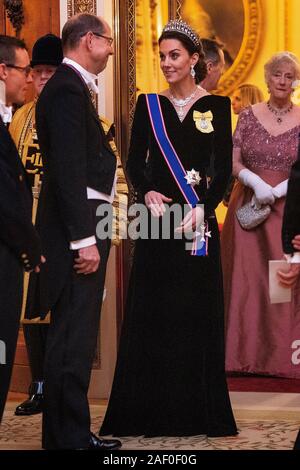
(175, 166)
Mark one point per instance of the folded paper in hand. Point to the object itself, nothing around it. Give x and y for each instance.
(250, 216)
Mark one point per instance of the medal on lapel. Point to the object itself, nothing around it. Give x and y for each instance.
(203, 121)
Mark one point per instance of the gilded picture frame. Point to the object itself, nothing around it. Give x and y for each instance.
(251, 33)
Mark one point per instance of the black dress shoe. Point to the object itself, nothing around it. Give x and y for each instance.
(34, 404)
(297, 442)
(97, 443)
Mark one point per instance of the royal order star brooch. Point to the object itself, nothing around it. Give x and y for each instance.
(192, 177)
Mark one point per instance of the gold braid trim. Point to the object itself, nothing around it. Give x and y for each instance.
(120, 203)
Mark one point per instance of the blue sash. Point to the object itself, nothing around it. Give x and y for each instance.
(200, 244)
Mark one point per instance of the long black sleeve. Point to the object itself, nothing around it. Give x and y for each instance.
(222, 155)
(16, 229)
(138, 149)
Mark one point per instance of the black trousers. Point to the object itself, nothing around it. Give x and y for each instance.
(71, 344)
(11, 291)
(35, 338)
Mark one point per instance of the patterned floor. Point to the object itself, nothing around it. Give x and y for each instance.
(265, 421)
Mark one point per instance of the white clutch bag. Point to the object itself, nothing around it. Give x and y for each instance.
(250, 217)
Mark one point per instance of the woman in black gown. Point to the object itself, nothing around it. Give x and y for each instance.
(169, 378)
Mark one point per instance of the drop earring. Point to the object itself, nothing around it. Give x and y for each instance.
(193, 73)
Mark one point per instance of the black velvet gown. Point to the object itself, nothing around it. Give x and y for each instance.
(170, 378)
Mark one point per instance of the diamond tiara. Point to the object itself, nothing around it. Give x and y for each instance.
(180, 26)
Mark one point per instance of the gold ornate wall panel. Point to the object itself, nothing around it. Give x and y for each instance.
(150, 18)
(81, 6)
(124, 31)
(174, 8)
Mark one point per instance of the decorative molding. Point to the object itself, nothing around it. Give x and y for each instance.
(131, 60)
(124, 27)
(174, 9)
(125, 71)
(81, 6)
(15, 13)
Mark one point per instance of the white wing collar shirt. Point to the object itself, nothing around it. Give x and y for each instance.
(5, 113)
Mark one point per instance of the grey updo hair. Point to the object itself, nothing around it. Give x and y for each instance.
(279, 58)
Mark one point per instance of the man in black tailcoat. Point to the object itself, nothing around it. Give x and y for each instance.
(79, 176)
(19, 243)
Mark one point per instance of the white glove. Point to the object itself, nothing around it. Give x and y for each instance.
(281, 189)
(262, 191)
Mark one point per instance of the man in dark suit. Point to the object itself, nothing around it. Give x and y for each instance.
(291, 226)
(19, 243)
(215, 63)
(79, 175)
(291, 234)
(46, 56)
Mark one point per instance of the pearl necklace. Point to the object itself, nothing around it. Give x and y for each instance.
(278, 112)
(182, 102)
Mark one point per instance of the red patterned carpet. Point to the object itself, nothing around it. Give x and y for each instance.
(262, 384)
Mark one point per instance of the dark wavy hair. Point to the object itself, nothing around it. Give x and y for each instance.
(200, 67)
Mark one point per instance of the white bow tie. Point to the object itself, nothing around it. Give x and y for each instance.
(92, 86)
(6, 113)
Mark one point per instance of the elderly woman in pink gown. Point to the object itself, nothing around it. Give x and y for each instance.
(262, 338)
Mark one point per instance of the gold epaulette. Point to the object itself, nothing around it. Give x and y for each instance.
(19, 122)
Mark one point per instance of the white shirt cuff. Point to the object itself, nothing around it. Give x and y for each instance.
(85, 242)
(293, 259)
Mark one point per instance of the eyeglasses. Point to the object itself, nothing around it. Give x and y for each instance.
(26, 70)
(109, 39)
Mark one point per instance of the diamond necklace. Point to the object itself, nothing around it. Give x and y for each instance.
(182, 102)
(279, 113)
